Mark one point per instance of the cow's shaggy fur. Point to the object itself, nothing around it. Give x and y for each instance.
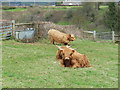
(69, 57)
(59, 37)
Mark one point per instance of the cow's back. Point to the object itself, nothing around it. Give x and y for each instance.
(56, 35)
(82, 59)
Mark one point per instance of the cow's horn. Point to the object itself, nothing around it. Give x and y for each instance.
(72, 49)
(75, 48)
(58, 47)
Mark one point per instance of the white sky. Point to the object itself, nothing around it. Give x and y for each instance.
(58, 0)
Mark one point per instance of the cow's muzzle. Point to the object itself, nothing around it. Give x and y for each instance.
(67, 62)
(67, 58)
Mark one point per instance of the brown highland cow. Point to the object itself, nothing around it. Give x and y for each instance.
(68, 57)
(59, 37)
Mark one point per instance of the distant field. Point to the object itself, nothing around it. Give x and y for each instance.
(53, 8)
(34, 65)
(60, 7)
(47, 8)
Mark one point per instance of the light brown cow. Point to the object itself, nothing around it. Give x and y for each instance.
(69, 57)
(59, 37)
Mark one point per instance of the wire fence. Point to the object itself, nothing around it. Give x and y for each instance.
(93, 35)
(9, 28)
(6, 29)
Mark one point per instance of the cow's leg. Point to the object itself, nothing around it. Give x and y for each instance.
(75, 64)
(52, 41)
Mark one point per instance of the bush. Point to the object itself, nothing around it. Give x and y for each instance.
(111, 16)
(8, 7)
(48, 16)
(69, 14)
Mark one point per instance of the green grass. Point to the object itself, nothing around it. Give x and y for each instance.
(66, 7)
(53, 8)
(103, 7)
(17, 9)
(59, 7)
(34, 65)
(64, 23)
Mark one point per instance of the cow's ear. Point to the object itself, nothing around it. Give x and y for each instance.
(72, 51)
(68, 37)
(58, 55)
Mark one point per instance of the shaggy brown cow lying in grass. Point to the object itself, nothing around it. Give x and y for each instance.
(59, 37)
(68, 57)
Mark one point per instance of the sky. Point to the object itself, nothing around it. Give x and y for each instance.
(58, 0)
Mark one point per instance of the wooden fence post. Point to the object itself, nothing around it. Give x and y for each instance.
(94, 35)
(113, 36)
(13, 27)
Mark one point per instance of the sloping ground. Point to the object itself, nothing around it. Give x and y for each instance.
(34, 65)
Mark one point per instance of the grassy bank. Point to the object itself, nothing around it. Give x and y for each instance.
(34, 65)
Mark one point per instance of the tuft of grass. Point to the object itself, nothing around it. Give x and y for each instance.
(33, 65)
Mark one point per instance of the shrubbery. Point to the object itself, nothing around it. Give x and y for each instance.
(111, 16)
(87, 17)
(8, 7)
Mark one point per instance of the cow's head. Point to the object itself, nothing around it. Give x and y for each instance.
(66, 54)
(71, 37)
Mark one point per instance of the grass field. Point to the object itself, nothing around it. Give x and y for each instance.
(60, 7)
(34, 65)
(52, 8)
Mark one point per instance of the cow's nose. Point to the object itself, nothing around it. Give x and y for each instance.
(67, 58)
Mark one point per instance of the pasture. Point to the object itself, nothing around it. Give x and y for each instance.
(34, 65)
(16, 9)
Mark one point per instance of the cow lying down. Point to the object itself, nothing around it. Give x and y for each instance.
(69, 57)
(59, 37)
